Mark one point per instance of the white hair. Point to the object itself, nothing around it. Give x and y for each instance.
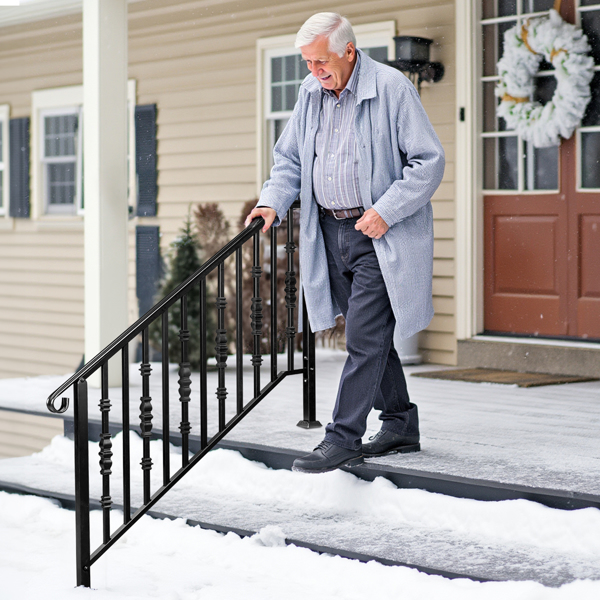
(334, 27)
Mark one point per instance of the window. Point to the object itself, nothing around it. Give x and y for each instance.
(588, 135)
(287, 72)
(510, 163)
(283, 71)
(57, 151)
(4, 128)
(61, 158)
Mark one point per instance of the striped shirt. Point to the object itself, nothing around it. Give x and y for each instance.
(335, 169)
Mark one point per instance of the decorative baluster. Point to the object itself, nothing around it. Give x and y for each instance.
(82, 483)
(203, 374)
(105, 454)
(290, 290)
(146, 414)
(239, 335)
(125, 434)
(256, 315)
(185, 381)
(273, 303)
(165, 398)
(221, 344)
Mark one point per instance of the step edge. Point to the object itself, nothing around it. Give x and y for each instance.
(450, 485)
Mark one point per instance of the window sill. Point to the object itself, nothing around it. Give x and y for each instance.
(53, 222)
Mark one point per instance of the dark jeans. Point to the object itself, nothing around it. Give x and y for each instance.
(372, 373)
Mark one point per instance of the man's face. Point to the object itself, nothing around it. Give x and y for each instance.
(332, 71)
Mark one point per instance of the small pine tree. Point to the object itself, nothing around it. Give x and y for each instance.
(184, 261)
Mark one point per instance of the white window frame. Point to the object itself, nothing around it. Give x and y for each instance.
(4, 166)
(371, 34)
(62, 101)
(62, 209)
(590, 128)
(132, 187)
(520, 17)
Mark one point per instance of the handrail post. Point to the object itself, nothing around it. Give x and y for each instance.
(82, 483)
(290, 290)
(256, 314)
(273, 269)
(309, 420)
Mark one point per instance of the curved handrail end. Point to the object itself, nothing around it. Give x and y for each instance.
(64, 404)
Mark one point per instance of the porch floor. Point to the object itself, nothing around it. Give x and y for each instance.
(544, 437)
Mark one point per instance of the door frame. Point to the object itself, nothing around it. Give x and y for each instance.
(469, 197)
(468, 184)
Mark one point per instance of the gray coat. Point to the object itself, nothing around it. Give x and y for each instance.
(401, 163)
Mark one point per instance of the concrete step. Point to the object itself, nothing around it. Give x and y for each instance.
(447, 551)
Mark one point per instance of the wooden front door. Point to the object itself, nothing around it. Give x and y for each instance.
(541, 206)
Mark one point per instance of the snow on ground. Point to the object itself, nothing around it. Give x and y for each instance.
(166, 559)
(170, 560)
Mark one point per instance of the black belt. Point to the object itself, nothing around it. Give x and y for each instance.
(343, 213)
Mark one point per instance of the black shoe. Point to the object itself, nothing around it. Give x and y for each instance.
(327, 457)
(387, 442)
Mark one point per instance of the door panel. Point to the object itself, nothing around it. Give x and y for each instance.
(525, 264)
(585, 292)
(530, 241)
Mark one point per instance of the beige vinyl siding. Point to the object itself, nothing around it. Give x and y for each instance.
(41, 299)
(23, 434)
(41, 263)
(197, 61)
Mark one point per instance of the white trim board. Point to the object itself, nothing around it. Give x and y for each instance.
(38, 10)
(5, 118)
(469, 211)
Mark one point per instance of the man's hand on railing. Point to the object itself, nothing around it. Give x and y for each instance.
(268, 214)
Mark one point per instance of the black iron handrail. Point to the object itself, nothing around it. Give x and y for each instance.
(85, 558)
(162, 306)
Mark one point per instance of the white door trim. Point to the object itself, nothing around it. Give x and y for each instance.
(469, 215)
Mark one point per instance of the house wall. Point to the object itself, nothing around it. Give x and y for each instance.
(196, 61)
(23, 434)
(41, 263)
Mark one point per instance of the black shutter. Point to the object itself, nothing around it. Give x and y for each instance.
(19, 168)
(148, 266)
(145, 159)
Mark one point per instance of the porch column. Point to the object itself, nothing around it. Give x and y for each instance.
(469, 212)
(105, 174)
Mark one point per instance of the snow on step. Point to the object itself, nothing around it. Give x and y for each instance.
(515, 540)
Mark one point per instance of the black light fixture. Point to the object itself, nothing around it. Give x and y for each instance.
(412, 57)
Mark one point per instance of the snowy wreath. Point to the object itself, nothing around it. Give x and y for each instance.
(566, 47)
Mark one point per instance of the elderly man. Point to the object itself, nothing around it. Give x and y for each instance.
(362, 154)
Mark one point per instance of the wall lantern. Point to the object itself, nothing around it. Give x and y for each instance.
(412, 57)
